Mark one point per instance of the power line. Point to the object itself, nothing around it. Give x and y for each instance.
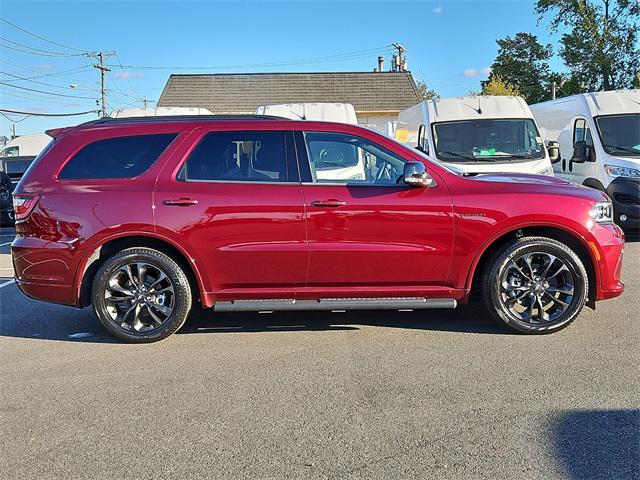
(39, 54)
(325, 59)
(42, 91)
(38, 114)
(126, 75)
(50, 74)
(40, 83)
(41, 37)
(48, 52)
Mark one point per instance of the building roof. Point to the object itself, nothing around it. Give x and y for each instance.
(243, 93)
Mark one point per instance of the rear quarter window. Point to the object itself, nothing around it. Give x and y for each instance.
(117, 157)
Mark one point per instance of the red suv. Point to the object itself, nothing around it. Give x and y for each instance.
(144, 218)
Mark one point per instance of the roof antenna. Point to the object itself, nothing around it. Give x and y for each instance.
(479, 107)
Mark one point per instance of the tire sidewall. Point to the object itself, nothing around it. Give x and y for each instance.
(169, 267)
(575, 266)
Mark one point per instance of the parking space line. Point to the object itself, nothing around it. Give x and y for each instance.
(9, 282)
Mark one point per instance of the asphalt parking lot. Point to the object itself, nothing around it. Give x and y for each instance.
(436, 394)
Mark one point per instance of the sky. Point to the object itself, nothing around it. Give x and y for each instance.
(450, 44)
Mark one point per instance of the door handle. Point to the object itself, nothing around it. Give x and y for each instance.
(180, 202)
(331, 203)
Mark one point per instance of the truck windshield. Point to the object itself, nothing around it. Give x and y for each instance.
(487, 140)
(620, 134)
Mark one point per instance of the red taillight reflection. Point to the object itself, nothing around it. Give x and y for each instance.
(23, 204)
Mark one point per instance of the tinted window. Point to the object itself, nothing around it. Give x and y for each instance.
(119, 157)
(582, 132)
(247, 156)
(336, 157)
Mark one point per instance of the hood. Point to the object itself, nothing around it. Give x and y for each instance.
(523, 183)
(522, 178)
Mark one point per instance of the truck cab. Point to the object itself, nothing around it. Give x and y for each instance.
(476, 134)
(599, 139)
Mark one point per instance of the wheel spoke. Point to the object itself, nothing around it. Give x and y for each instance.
(557, 300)
(115, 286)
(137, 323)
(515, 265)
(142, 270)
(561, 269)
(116, 299)
(527, 260)
(542, 315)
(567, 291)
(127, 269)
(156, 319)
(161, 308)
(552, 259)
(158, 280)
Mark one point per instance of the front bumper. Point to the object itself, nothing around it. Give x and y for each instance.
(608, 252)
(625, 195)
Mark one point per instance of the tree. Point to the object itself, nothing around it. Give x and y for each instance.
(496, 86)
(425, 92)
(523, 62)
(600, 45)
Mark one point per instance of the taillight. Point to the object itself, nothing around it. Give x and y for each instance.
(23, 204)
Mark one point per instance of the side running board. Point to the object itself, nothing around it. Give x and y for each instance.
(391, 303)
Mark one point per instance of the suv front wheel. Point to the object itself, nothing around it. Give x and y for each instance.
(537, 285)
(141, 295)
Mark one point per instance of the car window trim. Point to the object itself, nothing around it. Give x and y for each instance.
(289, 151)
(305, 164)
(56, 177)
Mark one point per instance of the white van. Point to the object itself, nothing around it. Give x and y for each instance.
(333, 162)
(599, 137)
(26, 145)
(477, 134)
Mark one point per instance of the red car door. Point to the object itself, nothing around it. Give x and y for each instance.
(368, 229)
(233, 198)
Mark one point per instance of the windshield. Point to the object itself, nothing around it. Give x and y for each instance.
(487, 140)
(620, 134)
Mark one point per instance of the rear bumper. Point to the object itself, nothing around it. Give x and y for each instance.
(47, 292)
(43, 270)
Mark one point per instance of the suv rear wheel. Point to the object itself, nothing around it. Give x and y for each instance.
(537, 285)
(141, 295)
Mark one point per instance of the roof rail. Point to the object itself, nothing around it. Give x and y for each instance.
(180, 118)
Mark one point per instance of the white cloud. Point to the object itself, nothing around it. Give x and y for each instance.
(470, 72)
(485, 71)
(438, 10)
(124, 75)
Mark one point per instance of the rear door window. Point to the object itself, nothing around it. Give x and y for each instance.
(239, 156)
(118, 157)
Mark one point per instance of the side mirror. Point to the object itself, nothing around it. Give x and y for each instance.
(554, 151)
(580, 152)
(415, 174)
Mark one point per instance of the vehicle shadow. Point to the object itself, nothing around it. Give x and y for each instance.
(470, 318)
(24, 318)
(597, 444)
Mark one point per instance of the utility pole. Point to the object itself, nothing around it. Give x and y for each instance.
(553, 90)
(13, 132)
(400, 60)
(145, 103)
(100, 66)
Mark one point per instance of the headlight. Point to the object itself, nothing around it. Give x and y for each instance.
(615, 171)
(602, 212)
(546, 171)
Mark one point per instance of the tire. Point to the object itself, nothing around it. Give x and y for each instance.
(513, 292)
(141, 312)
